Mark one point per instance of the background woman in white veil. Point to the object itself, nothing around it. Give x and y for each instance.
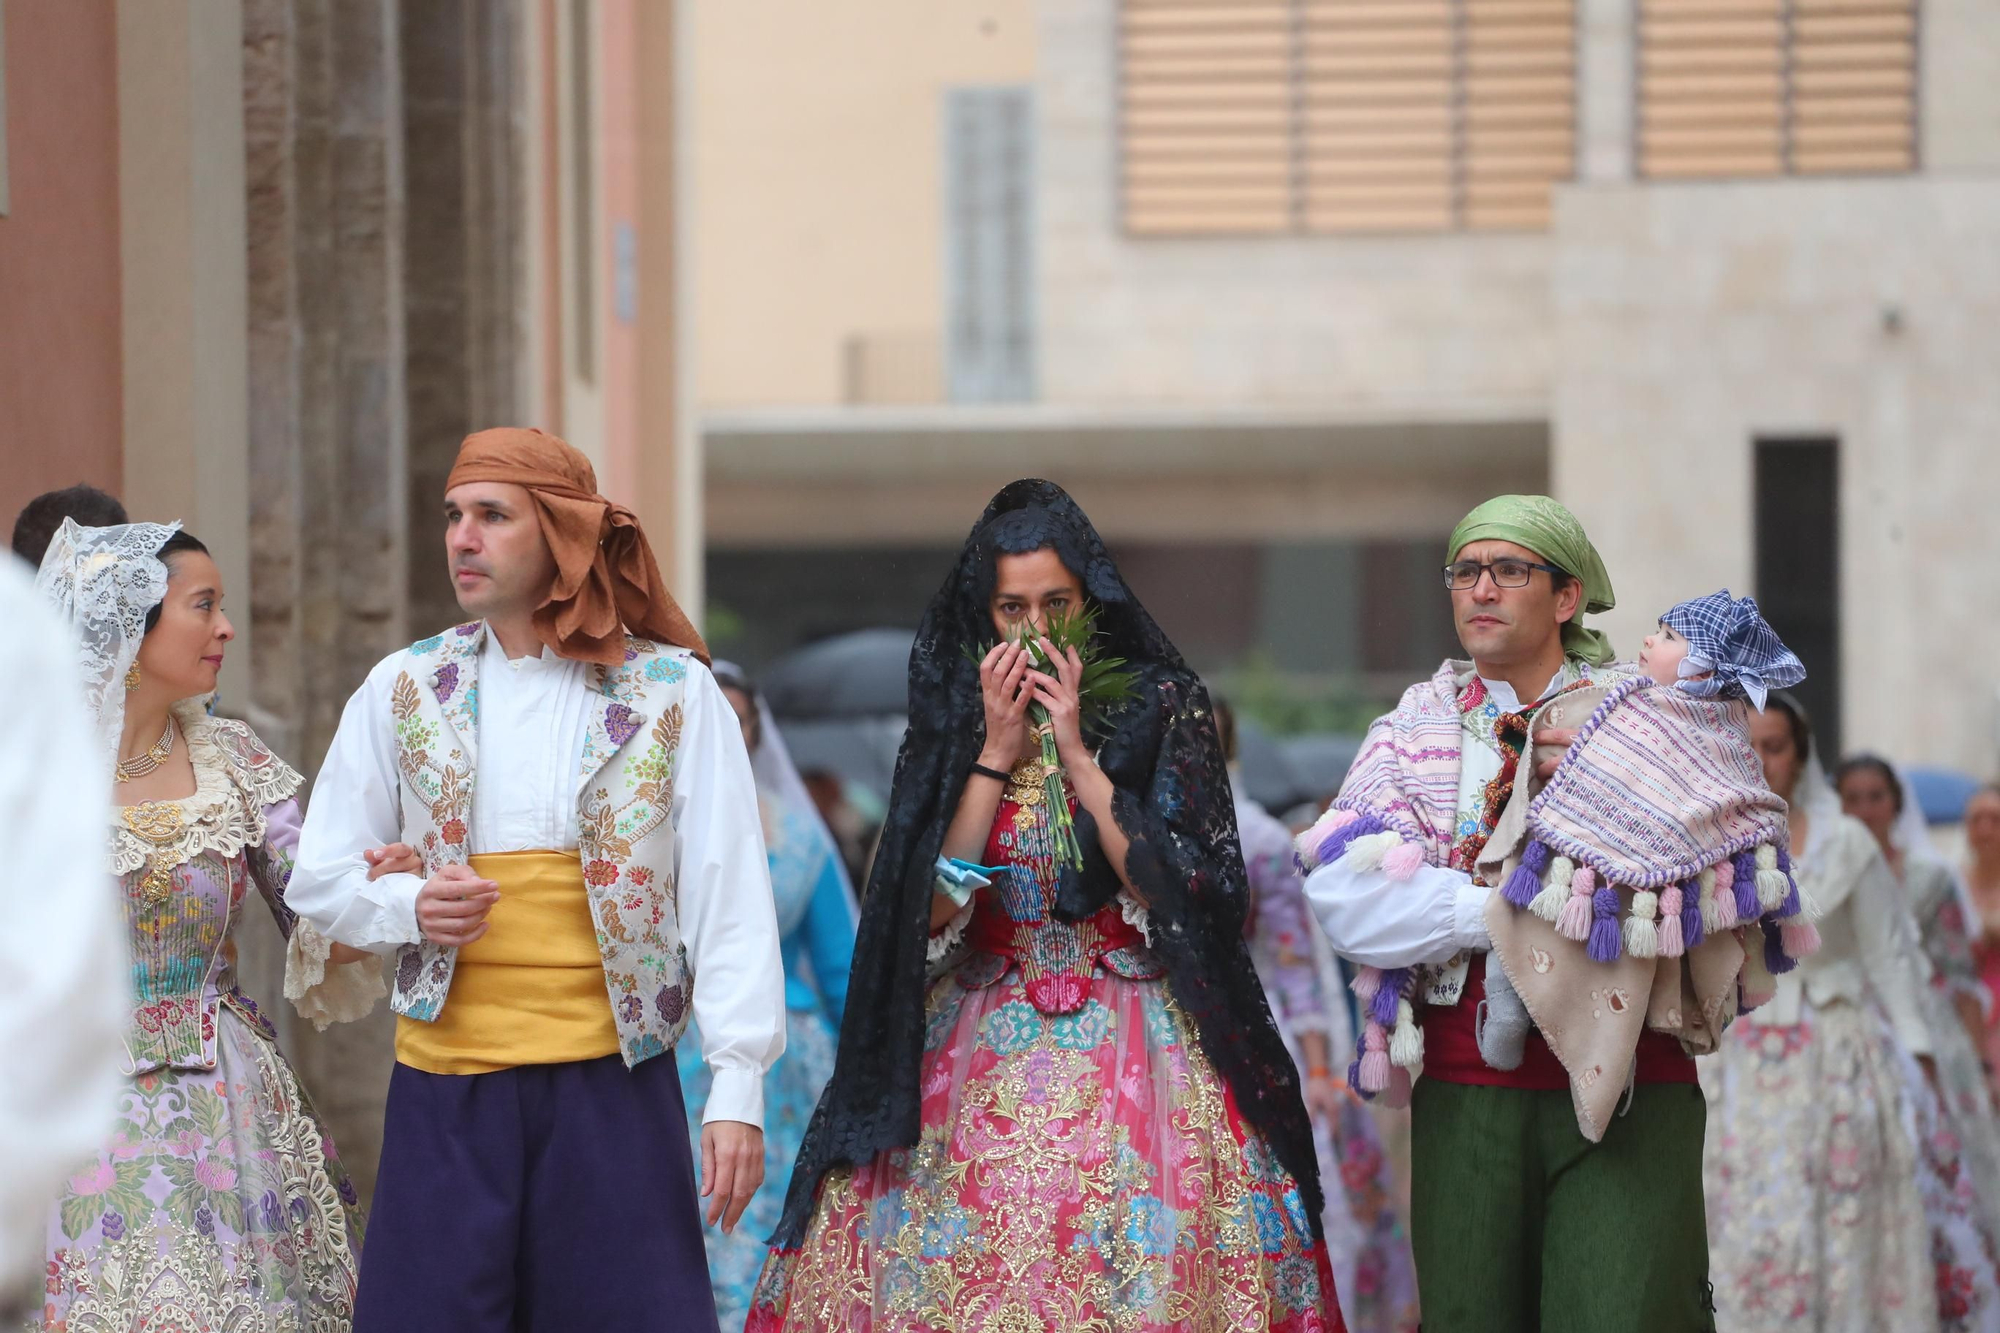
(1834, 1198)
(816, 919)
(1964, 1139)
(1875, 792)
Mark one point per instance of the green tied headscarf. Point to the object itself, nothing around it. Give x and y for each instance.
(1551, 532)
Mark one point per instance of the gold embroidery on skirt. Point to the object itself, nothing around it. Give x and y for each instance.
(1033, 1150)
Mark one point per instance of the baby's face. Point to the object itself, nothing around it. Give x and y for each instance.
(1661, 656)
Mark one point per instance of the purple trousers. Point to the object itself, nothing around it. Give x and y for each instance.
(539, 1199)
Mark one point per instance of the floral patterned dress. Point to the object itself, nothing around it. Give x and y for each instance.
(816, 932)
(1365, 1237)
(218, 1201)
(1081, 1166)
(1838, 1197)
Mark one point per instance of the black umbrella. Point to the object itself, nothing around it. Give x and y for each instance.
(858, 750)
(1269, 777)
(862, 674)
(1321, 759)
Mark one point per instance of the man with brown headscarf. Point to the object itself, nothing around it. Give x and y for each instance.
(576, 785)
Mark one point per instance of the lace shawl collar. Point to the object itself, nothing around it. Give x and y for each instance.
(235, 777)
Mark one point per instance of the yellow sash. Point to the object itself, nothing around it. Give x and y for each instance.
(530, 991)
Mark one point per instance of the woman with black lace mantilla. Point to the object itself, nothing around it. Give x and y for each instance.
(1060, 1100)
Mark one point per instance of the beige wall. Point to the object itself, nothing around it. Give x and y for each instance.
(623, 411)
(60, 365)
(816, 180)
(1960, 68)
(1692, 319)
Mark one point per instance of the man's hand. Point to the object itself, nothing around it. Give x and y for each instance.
(732, 1167)
(452, 906)
(398, 858)
(1554, 737)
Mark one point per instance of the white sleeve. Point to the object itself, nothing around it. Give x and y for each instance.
(727, 918)
(1375, 921)
(355, 809)
(65, 1002)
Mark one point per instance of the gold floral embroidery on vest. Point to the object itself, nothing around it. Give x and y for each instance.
(607, 831)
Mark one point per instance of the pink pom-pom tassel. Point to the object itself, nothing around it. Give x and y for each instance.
(1725, 897)
(1307, 843)
(1375, 1062)
(1402, 861)
(1672, 943)
(1574, 922)
(1799, 937)
(1366, 982)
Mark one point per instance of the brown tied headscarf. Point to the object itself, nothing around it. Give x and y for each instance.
(607, 582)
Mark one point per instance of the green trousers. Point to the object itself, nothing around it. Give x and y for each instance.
(1521, 1225)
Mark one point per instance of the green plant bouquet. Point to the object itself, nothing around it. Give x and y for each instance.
(1105, 686)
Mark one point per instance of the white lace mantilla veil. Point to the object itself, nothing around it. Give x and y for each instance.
(1912, 836)
(104, 581)
(1820, 800)
(779, 779)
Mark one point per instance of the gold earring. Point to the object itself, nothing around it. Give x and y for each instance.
(132, 678)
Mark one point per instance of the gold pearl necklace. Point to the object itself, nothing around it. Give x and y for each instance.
(140, 766)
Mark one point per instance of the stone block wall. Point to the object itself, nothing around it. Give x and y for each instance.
(1693, 319)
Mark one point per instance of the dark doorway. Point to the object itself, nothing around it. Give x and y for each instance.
(1798, 567)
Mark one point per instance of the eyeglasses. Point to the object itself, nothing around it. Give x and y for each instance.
(1463, 575)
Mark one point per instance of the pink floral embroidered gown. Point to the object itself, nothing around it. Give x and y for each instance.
(1081, 1165)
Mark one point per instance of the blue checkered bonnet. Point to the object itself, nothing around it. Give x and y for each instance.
(1729, 639)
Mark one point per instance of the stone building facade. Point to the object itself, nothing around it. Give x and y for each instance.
(1258, 410)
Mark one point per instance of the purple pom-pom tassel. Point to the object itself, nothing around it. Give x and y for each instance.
(1354, 1079)
(1337, 841)
(1791, 905)
(1526, 881)
(1691, 929)
(1745, 866)
(1382, 1008)
(1604, 942)
(1775, 957)
(1784, 858)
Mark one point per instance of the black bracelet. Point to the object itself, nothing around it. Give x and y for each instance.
(994, 773)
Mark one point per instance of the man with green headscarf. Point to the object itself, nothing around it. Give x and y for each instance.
(1519, 1222)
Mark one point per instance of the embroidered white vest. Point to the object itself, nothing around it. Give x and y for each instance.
(624, 803)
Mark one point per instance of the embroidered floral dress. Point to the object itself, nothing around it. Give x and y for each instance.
(1838, 1198)
(218, 1201)
(1081, 1166)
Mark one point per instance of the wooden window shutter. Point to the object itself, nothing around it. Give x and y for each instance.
(1335, 116)
(1776, 87)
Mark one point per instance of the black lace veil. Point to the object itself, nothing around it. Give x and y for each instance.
(1172, 803)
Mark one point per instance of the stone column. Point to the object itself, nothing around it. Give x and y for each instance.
(328, 451)
(464, 118)
(383, 142)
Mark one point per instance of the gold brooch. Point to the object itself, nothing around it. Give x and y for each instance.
(159, 823)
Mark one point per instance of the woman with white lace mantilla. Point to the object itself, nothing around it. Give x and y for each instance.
(1060, 1099)
(219, 1201)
